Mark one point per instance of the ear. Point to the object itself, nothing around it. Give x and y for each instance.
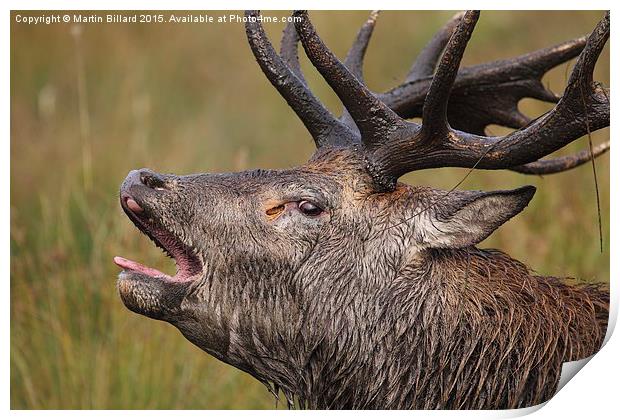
(468, 217)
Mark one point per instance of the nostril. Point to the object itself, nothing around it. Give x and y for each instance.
(152, 180)
(133, 205)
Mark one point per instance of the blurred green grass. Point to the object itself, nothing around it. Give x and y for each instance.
(189, 98)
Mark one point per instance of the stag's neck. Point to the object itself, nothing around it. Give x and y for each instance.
(429, 333)
(437, 331)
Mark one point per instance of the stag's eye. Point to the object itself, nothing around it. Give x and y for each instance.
(309, 209)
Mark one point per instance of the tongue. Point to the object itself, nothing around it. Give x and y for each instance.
(134, 266)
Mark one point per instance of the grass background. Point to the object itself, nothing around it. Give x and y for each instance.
(91, 102)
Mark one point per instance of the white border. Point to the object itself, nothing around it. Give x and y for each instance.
(593, 394)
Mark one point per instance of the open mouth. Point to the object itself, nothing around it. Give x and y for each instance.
(187, 262)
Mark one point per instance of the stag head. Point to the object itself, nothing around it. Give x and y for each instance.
(271, 264)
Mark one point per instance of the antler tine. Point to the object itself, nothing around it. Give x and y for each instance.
(354, 60)
(542, 61)
(424, 65)
(375, 120)
(324, 128)
(582, 77)
(288, 50)
(545, 59)
(561, 164)
(435, 111)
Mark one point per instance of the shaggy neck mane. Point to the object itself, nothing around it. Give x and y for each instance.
(462, 329)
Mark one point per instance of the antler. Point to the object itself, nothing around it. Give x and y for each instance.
(584, 107)
(324, 128)
(457, 106)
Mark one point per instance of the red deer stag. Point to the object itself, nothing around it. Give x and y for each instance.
(343, 288)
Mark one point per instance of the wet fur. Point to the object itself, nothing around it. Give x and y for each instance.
(463, 329)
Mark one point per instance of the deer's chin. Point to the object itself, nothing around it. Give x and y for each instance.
(189, 265)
